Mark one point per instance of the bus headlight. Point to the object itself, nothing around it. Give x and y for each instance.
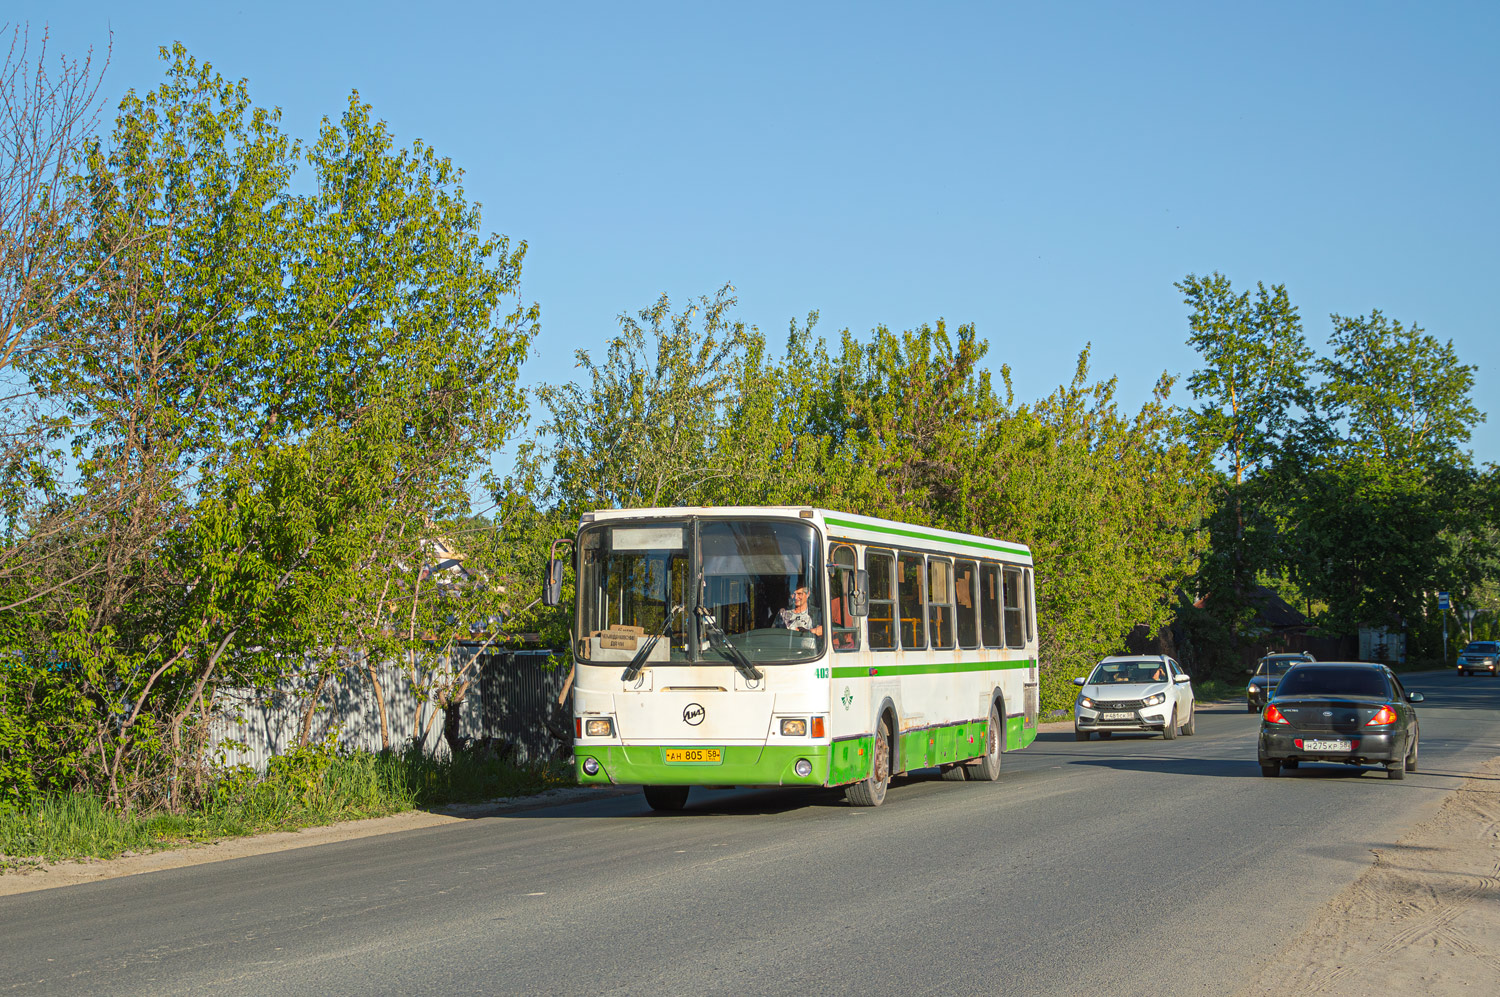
(794, 728)
(803, 768)
(599, 728)
(591, 766)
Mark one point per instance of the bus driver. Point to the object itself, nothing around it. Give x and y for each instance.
(801, 616)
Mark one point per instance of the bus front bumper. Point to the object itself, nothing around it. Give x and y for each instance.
(739, 765)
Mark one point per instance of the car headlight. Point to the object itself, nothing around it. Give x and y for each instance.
(1085, 702)
(1155, 700)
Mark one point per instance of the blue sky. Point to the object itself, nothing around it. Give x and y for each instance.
(1044, 171)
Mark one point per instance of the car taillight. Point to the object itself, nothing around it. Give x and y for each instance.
(1385, 715)
(1273, 716)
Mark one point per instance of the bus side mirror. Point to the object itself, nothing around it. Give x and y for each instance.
(859, 597)
(552, 583)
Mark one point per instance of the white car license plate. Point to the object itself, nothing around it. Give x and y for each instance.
(1119, 716)
(1326, 745)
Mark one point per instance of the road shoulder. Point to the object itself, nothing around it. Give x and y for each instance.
(74, 873)
(1423, 919)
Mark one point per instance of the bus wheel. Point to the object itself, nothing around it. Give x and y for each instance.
(871, 792)
(987, 769)
(953, 773)
(666, 797)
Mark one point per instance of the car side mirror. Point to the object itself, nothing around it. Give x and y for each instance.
(1078, 681)
(1414, 697)
(1183, 678)
(859, 597)
(552, 582)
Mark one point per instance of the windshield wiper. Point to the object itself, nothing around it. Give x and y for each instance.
(734, 654)
(644, 651)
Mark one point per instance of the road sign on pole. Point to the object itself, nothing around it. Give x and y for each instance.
(1443, 600)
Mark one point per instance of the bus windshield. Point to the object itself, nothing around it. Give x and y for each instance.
(760, 581)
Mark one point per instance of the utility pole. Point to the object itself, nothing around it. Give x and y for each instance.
(1443, 608)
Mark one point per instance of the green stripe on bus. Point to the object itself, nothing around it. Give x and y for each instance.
(916, 534)
(936, 668)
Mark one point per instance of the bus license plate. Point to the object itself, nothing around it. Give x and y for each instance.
(1326, 745)
(691, 756)
(1119, 716)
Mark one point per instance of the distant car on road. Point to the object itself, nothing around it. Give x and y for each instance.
(1480, 656)
(1134, 693)
(1350, 712)
(1267, 673)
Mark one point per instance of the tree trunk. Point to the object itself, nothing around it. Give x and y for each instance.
(451, 715)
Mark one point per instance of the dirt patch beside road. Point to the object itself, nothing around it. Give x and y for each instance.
(1425, 919)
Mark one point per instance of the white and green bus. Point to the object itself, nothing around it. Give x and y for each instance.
(786, 646)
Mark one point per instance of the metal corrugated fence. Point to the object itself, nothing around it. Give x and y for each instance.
(512, 703)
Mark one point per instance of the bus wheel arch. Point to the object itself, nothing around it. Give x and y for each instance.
(987, 767)
(887, 714)
(870, 791)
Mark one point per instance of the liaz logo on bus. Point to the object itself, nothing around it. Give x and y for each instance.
(693, 714)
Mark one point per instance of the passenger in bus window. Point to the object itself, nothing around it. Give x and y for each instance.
(801, 616)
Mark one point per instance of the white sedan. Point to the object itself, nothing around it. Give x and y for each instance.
(1134, 693)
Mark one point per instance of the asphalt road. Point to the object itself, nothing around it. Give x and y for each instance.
(1128, 866)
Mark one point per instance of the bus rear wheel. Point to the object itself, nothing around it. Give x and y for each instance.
(987, 769)
(666, 797)
(871, 791)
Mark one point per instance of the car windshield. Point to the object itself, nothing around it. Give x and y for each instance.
(1481, 647)
(1122, 672)
(1277, 666)
(1314, 680)
(756, 585)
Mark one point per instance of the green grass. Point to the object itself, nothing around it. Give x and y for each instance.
(307, 788)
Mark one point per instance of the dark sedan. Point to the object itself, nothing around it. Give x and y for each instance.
(1350, 712)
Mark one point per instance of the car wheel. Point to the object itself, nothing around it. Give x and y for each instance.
(1270, 769)
(1250, 708)
(1411, 756)
(1396, 769)
(1169, 732)
(870, 792)
(1080, 735)
(987, 769)
(666, 797)
(1191, 727)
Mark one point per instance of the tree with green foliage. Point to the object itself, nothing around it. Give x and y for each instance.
(1250, 390)
(1385, 484)
(267, 403)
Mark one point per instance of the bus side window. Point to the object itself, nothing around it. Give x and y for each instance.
(882, 618)
(843, 624)
(940, 603)
(965, 592)
(1015, 613)
(913, 597)
(989, 606)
